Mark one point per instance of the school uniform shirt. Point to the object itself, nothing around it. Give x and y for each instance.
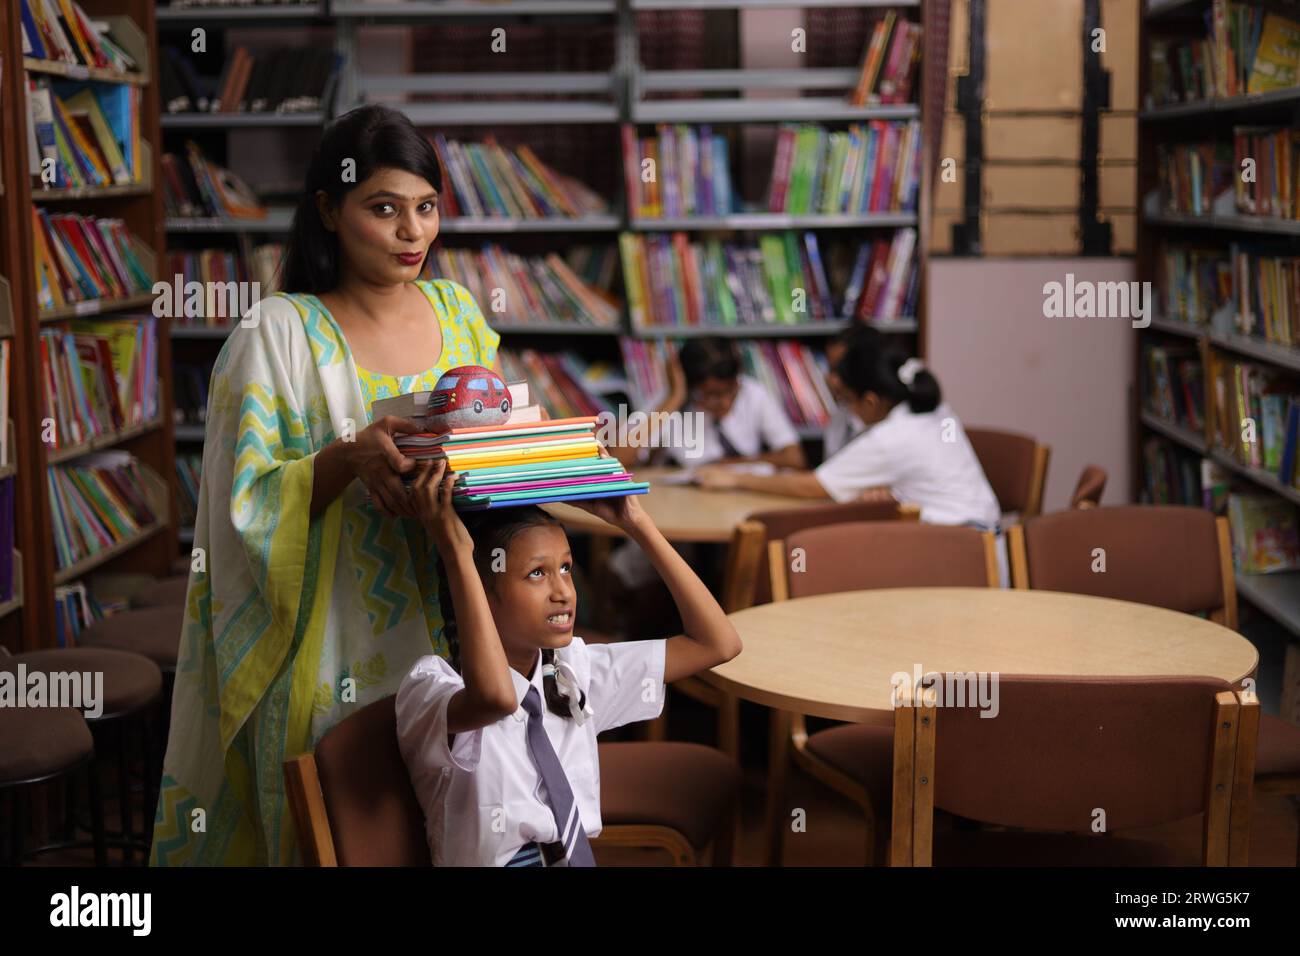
(906, 452)
(755, 422)
(482, 795)
(841, 427)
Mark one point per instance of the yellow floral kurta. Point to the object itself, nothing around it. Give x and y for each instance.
(291, 623)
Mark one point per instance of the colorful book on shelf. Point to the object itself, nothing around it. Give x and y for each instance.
(60, 30)
(888, 62)
(680, 171)
(1277, 56)
(1272, 155)
(487, 179)
(97, 501)
(1265, 538)
(872, 167)
(525, 289)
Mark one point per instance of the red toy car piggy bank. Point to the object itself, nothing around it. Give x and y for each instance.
(466, 397)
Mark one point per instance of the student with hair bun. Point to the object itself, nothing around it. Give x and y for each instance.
(912, 444)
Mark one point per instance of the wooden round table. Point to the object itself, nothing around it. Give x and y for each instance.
(685, 512)
(834, 655)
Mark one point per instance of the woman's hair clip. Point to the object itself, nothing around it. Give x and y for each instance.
(548, 670)
(907, 371)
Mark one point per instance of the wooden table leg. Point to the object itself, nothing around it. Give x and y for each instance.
(778, 776)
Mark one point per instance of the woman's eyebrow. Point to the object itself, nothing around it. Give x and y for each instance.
(386, 193)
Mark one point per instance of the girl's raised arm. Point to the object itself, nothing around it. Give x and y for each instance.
(709, 638)
(489, 693)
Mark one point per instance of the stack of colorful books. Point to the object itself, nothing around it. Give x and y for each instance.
(499, 466)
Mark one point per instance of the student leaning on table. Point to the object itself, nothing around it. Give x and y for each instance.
(913, 444)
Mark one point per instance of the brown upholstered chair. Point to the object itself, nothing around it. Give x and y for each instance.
(854, 759)
(1165, 555)
(40, 746)
(1066, 756)
(353, 803)
(1087, 493)
(165, 592)
(1016, 467)
(132, 689)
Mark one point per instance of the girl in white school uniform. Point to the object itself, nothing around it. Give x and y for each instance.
(500, 740)
(913, 444)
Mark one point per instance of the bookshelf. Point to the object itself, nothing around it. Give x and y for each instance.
(628, 94)
(139, 207)
(1215, 337)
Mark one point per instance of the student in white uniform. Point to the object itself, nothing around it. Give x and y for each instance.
(741, 423)
(500, 741)
(913, 444)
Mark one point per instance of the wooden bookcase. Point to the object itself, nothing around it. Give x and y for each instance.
(140, 207)
(1276, 595)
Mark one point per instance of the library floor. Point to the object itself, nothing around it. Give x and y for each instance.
(835, 833)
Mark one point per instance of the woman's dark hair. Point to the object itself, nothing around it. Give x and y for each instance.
(871, 363)
(703, 359)
(492, 529)
(372, 138)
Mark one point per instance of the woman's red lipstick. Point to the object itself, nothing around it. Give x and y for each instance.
(410, 258)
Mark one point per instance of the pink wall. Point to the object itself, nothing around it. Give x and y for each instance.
(1066, 381)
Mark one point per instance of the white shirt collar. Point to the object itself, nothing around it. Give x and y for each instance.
(522, 683)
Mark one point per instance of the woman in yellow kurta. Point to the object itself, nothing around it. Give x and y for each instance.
(307, 601)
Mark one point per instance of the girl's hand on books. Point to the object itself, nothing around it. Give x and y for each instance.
(716, 477)
(431, 497)
(376, 461)
(624, 513)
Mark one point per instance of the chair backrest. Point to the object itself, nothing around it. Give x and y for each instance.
(1164, 555)
(779, 523)
(864, 555)
(1016, 467)
(1061, 751)
(1087, 493)
(352, 799)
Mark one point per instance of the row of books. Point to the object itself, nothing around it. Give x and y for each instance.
(1274, 187)
(1175, 385)
(214, 268)
(75, 609)
(285, 80)
(98, 378)
(98, 502)
(60, 30)
(1245, 49)
(680, 171)
(81, 258)
(187, 481)
(190, 392)
(1171, 474)
(83, 134)
(1258, 417)
(193, 185)
(672, 281)
(1265, 533)
(1193, 175)
(889, 63)
(1195, 282)
(487, 179)
(867, 168)
(1267, 294)
(524, 289)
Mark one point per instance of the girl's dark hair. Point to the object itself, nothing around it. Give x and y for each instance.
(871, 363)
(373, 137)
(492, 529)
(703, 359)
